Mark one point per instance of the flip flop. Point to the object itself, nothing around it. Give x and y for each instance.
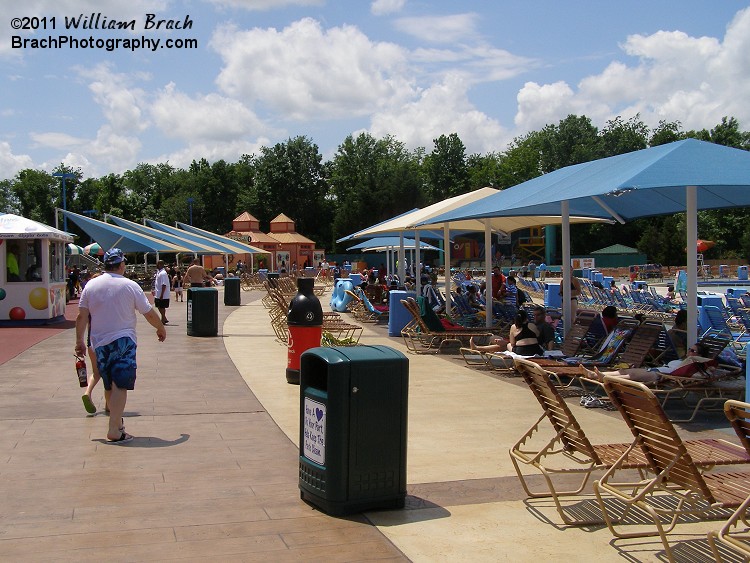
(88, 404)
(123, 439)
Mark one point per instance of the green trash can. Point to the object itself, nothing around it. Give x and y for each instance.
(232, 292)
(202, 311)
(353, 416)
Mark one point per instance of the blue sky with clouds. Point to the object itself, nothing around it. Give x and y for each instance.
(267, 70)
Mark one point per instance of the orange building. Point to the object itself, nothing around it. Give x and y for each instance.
(285, 246)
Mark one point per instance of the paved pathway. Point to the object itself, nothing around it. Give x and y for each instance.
(210, 476)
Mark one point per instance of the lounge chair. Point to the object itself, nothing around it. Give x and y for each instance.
(570, 445)
(677, 483)
(488, 360)
(708, 390)
(718, 326)
(427, 334)
(636, 339)
(735, 533)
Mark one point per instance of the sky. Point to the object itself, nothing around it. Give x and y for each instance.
(259, 72)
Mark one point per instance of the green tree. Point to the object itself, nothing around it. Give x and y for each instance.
(37, 193)
(728, 133)
(483, 170)
(247, 195)
(8, 200)
(521, 161)
(445, 168)
(372, 180)
(572, 141)
(290, 179)
(666, 132)
(619, 136)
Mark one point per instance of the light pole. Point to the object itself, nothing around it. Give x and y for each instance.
(190, 201)
(64, 176)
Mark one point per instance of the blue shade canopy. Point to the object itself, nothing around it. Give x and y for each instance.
(233, 246)
(380, 244)
(638, 184)
(108, 235)
(201, 248)
(685, 176)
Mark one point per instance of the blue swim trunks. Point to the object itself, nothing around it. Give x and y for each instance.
(116, 362)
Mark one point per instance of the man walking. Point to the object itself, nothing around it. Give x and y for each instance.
(162, 290)
(196, 274)
(109, 302)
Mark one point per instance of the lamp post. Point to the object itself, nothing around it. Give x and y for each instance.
(190, 201)
(64, 176)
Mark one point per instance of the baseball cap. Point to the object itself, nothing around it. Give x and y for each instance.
(113, 256)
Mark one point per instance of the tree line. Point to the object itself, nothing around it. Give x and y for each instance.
(369, 180)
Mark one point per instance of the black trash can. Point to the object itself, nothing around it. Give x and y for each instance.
(202, 311)
(353, 416)
(232, 292)
(273, 279)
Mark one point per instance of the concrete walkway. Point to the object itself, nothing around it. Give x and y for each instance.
(212, 473)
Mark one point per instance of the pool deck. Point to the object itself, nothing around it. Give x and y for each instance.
(212, 472)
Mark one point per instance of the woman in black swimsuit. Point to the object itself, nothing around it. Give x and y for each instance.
(524, 336)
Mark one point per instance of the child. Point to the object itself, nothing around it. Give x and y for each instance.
(177, 285)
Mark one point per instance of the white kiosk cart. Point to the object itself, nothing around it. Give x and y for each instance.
(32, 270)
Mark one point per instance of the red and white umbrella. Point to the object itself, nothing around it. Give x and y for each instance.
(703, 245)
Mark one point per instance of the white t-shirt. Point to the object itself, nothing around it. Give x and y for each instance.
(113, 301)
(162, 278)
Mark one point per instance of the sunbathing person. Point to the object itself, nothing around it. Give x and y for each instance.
(496, 345)
(694, 364)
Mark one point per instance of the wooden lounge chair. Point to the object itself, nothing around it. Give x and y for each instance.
(587, 332)
(570, 447)
(488, 360)
(676, 485)
(615, 350)
(379, 313)
(421, 338)
(735, 533)
(703, 394)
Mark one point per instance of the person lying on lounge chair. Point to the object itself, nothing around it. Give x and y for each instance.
(695, 364)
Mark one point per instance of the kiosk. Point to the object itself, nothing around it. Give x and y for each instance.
(32, 270)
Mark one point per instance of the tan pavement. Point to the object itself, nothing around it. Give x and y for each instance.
(212, 473)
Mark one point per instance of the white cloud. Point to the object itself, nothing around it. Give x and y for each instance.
(304, 72)
(696, 80)
(440, 29)
(385, 7)
(108, 152)
(260, 5)
(204, 117)
(11, 164)
(120, 102)
(229, 151)
(441, 109)
(56, 140)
